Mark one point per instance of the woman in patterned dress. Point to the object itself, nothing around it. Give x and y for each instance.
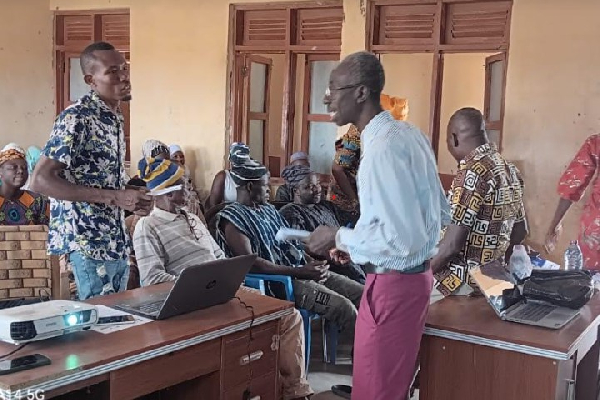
(579, 175)
(18, 206)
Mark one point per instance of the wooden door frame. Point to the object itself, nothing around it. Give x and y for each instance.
(437, 49)
(307, 117)
(291, 52)
(248, 115)
(495, 125)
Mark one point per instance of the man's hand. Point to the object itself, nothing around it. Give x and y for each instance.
(314, 271)
(339, 257)
(322, 240)
(136, 201)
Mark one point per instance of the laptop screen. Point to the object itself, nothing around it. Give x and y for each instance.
(492, 280)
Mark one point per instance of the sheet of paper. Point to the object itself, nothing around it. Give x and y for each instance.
(104, 311)
(291, 234)
(165, 191)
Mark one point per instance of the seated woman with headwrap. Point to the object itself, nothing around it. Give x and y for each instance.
(18, 206)
(309, 210)
(284, 192)
(342, 189)
(223, 189)
(249, 226)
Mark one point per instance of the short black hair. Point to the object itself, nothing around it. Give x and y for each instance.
(472, 116)
(137, 182)
(366, 69)
(87, 56)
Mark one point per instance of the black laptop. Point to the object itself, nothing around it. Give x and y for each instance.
(198, 287)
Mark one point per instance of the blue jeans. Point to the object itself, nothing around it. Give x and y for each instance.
(98, 277)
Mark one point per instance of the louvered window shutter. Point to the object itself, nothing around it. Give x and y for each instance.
(76, 31)
(478, 22)
(115, 29)
(320, 26)
(264, 27)
(407, 24)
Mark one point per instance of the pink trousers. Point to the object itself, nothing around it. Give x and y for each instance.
(389, 327)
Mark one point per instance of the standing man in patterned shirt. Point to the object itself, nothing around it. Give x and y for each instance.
(488, 215)
(82, 170)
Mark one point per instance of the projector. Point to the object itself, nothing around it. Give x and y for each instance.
(44, 320)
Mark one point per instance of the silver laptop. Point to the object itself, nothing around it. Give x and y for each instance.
(198, 287)
(493, 279)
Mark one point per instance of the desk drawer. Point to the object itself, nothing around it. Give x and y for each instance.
(264, 386)
(263, 354)
(164, 371)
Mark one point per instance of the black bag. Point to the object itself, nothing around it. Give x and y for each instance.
(572, 289)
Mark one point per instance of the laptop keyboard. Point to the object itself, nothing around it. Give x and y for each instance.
(150, 308)
(533, 312)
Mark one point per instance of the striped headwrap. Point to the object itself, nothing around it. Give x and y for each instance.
(159, 174)
(239, 153)
(294, 174)
(243, 168)
(11, 152)
(152, 148)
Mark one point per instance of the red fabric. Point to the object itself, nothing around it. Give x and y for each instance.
(389, 327)
(572, 186)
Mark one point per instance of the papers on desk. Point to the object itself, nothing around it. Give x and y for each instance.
(104, 311)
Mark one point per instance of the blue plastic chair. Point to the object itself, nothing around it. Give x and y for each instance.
(329, 330)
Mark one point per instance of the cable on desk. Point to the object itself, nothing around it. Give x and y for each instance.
(14, 351)
(247, 395)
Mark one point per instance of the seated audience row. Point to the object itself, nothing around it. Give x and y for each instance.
(170, 239)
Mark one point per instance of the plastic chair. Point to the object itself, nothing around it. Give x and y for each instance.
(329, 330)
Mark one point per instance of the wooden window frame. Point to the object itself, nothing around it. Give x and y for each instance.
(290, 49)
(437, 49)
(64, 51)
(247, 114)
(307, 117)
(499, 124)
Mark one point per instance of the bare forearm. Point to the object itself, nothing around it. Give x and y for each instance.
(343, 182)
(450, 246)
(262, 266)
(446, 253)
(54, 186)
(561, 209)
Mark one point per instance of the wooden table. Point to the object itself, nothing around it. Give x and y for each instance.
(200, 355)
(468, 353)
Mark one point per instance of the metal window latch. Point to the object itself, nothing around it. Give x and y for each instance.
(247, 359)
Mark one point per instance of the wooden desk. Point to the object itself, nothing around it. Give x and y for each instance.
(469, 353)
(193, 356)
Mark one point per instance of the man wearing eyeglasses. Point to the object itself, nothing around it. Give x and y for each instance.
(401, 206)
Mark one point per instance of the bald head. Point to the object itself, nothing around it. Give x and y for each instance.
(470, 122)
(354, 90)
(466, 132)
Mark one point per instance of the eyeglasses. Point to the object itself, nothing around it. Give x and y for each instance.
(337, 89)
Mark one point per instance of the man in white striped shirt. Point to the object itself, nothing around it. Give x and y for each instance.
(169, 240)
(401, 206)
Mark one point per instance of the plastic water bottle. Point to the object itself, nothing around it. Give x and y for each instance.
(573, 257)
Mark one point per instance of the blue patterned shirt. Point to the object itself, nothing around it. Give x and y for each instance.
(260, 225)
(88, 138)
(402, 203)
